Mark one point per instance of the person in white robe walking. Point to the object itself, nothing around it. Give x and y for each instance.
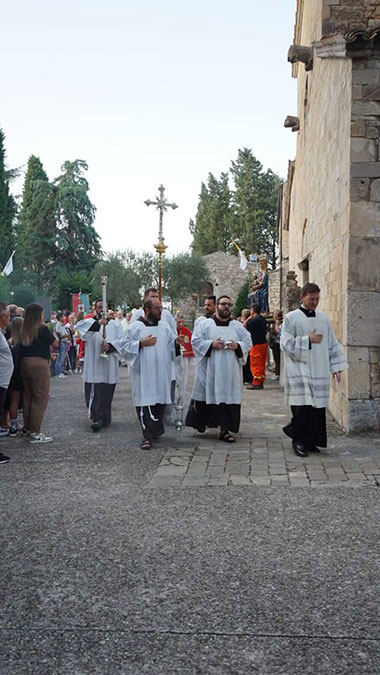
(149, 347)
(100, 374)
(221, 347)
(311, 354)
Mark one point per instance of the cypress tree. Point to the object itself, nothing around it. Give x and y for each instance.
(8, 208)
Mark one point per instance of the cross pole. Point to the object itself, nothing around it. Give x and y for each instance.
(162, 205)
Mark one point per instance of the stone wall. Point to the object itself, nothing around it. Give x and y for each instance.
(334, 214)
(274, 294)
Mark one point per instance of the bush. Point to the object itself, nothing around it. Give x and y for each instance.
(241, 300)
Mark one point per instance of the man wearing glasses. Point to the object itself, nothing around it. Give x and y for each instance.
(221, 347)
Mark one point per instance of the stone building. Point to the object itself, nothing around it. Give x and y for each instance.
(330, 221)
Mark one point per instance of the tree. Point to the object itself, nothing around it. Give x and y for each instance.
(8, 207)
(124, 284)
(183, 275)
(212, 227)
(36, 228)
(248, 212)
(78, 243)
(67, 282)
(241, 300)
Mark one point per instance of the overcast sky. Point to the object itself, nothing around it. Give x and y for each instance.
(147, 92)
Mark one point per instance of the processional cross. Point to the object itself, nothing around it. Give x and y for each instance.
(162, 205)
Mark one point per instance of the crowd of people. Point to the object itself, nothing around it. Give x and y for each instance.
(229, 353)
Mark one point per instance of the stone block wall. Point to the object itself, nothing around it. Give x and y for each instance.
(274, 291)
(346, 15)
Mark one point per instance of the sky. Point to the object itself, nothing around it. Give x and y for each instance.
(147, 92)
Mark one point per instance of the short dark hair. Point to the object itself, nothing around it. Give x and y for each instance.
(309, 288)
(221, 297)
(149, 290)
(211, 297)
(147, 304)
(59, 315)
(256, 308)
(95, 302)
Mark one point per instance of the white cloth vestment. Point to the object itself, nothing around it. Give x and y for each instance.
(96, 368)
(219, 376)
(150, 367)
(308, 370)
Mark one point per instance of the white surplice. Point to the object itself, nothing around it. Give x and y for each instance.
(96, 368)
(308, 370)
(150, 367)
(219, 376)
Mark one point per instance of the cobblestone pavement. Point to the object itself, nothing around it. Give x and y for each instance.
(263, 456)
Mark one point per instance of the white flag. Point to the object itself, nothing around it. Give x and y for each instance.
(9, 266)
(243, 260)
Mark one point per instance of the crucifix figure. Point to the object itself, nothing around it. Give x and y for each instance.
(162, 205)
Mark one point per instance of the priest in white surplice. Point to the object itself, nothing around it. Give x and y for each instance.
(221, 347)
(149, 347)
(100, 374)
(312, 354)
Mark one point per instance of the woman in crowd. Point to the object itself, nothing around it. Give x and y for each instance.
(13, 400)
(36, 340)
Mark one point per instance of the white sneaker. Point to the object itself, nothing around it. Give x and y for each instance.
(275, 377)
(61, 375)
(4, 432)
(40, 438)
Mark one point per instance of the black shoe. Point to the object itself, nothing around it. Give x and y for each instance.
(299, 449)
(3, 459)
(313, 448)
(96, 426)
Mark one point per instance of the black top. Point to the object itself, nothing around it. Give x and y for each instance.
(310, 313)
(258, 328)
(40, 345)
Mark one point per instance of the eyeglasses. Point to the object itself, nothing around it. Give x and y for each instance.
(225, 304)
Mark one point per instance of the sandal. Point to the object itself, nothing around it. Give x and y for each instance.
(146, 445)
(226, 437)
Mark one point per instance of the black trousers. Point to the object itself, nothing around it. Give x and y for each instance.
(307, 426)
(99, 397)
(151, 420)
(276, 357)
(3, 393)
(225, 415)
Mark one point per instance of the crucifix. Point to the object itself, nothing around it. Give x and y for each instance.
(162, 205)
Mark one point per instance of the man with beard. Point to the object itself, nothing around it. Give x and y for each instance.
(209, 307)
(221, 347)
(149, 347)
(100, 374)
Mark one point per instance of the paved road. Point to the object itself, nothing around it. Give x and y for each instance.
(193, 557)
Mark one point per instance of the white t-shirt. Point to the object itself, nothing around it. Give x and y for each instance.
(6, 362)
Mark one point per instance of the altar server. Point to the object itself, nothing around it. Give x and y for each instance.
(311, 353)
(221, 347)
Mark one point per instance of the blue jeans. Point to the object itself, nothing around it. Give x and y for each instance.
(61, 357)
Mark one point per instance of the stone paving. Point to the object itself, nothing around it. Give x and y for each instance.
(263, 456)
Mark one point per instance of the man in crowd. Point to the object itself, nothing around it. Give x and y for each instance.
(152, 294)
(209, 307)
(186, 332)
(257, 327)
(149, 349)
(101, 364)
(6, 368)
(121, 319)
(311, 353)
(63, 336)
(221, 346)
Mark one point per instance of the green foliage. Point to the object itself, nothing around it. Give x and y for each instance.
(8, 208)
(66, 282)
(5, 290)
(77, 240)
(241, 300)
(182, 275)
(123, 285)
(248, 212)
(212, 228)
